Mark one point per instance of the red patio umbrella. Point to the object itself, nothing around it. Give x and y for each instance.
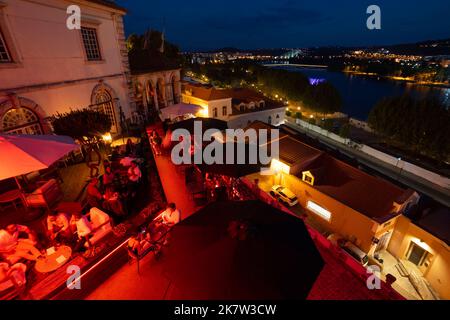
(21, 154)
(241, 250)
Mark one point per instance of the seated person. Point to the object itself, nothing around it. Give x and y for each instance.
(137, 244)
(134, 176)
(108, 176)
(129, 147)
(83, 228)
(134, 173)
(94, 196)
(112, 201)
(17, 241)
(58, 227)
(170, 216)
(168, 219)
(15, 273)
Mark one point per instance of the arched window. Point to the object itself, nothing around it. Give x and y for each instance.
(160, 93)
(215, 113)
(21, 121)
(104, 103)
(224, 111)
(269, 121)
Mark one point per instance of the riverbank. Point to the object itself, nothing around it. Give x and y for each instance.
(400, 79)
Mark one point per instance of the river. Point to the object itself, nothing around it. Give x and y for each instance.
(361, 93)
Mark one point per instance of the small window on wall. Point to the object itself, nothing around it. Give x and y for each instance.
(308, 177)
(318, 210)
(5, 56)
(215, 112)
(224, 110)
(90, 42)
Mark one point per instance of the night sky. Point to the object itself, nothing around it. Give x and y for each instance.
(251, 24)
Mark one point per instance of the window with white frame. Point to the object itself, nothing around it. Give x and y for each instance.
(90, 42)
(4, 53)
(321, 212)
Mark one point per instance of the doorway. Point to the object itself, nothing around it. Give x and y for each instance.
(416, 254)
(384, 241)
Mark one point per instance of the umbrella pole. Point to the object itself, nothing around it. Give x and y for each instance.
(22, 193)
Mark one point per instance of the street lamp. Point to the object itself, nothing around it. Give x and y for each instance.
(400, 171)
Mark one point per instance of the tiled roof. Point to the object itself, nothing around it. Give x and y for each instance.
(207, 93)
(437, 223)
(369, 195)
(238, 95)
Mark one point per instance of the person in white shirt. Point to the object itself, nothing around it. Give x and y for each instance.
(13, 247)
(168, 218)
(84, 229)
(171, 215)
(58, 226)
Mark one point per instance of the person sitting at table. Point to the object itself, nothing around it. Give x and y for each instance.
(108, 176)
(170, 216)
(83, 229)
(115, 154)
(14, 273)
(138, 243)
(129, 148)
(17, 241)
(156, 141)
(134, 176)
(94, 196)
(58, 227)
(112, 201)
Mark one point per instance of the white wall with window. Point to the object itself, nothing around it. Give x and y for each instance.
(57, 68)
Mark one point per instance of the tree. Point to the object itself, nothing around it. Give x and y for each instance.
(83, 125)
(144, 52)
(87, 126)
(324, 98)
(344, 131)
(327, 124)
(419, 125)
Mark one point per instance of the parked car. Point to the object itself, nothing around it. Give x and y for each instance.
(356, 253)
(284, 195)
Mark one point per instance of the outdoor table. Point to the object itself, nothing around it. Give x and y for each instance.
(11, 196)
(53, 261)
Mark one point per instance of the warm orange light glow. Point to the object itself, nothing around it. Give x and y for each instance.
(107, 137)
(278, 166)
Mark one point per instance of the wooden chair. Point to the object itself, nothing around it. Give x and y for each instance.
(46, 196)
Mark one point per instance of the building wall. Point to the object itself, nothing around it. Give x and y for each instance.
(438, 270)
(210, 105)
(243, 120)
(344, 220)
(50, 66)
(148, 82)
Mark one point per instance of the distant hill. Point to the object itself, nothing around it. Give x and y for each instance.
(424, 48)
